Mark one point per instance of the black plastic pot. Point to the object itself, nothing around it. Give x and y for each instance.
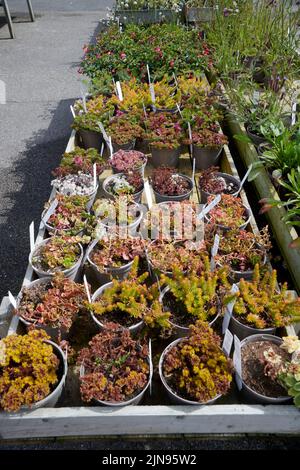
(91, 139)
(129, 146)
(256, 138)
(206, 157)
(228, 178)
(136, 196)
(165, 157)
(165, 198)
(243, 331)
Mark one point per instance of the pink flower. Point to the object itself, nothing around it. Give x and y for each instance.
(123, 55)
(171, 63)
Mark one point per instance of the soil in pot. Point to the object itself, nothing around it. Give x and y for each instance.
(253, 373)
(211, 181)
(179, 316)
(167, 182)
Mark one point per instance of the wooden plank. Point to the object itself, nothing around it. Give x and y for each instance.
(150, 420)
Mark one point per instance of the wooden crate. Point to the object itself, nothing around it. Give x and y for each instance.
(228, 417)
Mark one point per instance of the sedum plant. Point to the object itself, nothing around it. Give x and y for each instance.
(127, 160)
(54, 303)
(124, 129)
(260, 304)
(167, 181)
(116, 252)
(230, 212)
(165, 254)
(197, 296)
(80, 160)
(70, 216)
(59, 253)
(116, 367)
(28, 370)
(196, 368)
(130, 301)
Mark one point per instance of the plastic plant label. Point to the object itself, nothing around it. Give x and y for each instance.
(148, 193)
(229, 309)
(245, 177)
(227, 342)
(91, 247)
(95, 175)
(12, 299)
(145, 112)
(87, 289)
(209, 207)
(151, 86)
(102, 149)
(72, 111)
(175, 80)
(179, 110)
(237, 362)
(151, 366)
(294, 115)
(214, 251)
(119, 91)
(256, 97)
(31, 236)
(50, 211)
(105, 136)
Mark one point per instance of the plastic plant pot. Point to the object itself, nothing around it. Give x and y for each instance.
(182, 197)
(165, 157)
(228, 178)
(91, 139)
(137, 197)
(206, 157)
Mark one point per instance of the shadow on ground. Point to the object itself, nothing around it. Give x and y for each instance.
(42, 155)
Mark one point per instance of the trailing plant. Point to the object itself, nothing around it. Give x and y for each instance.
(80, 160)
(167, 181)
(59, 253)
(28, 370)
(54, 303)
(79, 184)
(285, 372)
(116, 252)
(70, 215)
(116, 367)
(130, 301)
(196, 296)
(129, 183)
(196, 368)
(260, 304)
(137, 5)
(212, 183)
(230, 212)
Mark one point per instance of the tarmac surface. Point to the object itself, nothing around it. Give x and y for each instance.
(39, 69)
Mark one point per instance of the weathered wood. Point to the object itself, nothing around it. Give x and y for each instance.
(149, 420)
(284, 235)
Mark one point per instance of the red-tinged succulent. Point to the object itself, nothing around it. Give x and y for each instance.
(80, 160)
(70, 216)
(59, 253)
(229, 212)
(116, 367)
(127, 160)
(116, 252)
(167, 181)
(54, 302)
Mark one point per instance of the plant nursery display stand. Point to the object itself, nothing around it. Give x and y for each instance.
(157, 416)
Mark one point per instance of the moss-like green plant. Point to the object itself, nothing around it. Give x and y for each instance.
(260, 304)
(198, 296)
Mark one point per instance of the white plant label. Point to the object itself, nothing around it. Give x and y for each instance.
(105, 136)
(191, 138)
(87, 289)
(110, 147)
(145, 112)
(84, 104)
(119, 91)
(95, 175)
(151, 366)
(256, 97)
(245, 178)
(194, 169)
(294, 110)
(31, 236)
(151, 86)
(12, 299)
(72, 111)
(229, 309)
(91, 247)
(148, 193)
(115, 88)
(175, 79)
(102, 149)
(50, 211)
(179, 110)
(209, 207)
(227, 342)
(237, 362)
(214, 251)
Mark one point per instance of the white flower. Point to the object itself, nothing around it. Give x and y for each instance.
(290, 344)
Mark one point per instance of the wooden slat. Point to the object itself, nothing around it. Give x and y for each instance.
(149, 420)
